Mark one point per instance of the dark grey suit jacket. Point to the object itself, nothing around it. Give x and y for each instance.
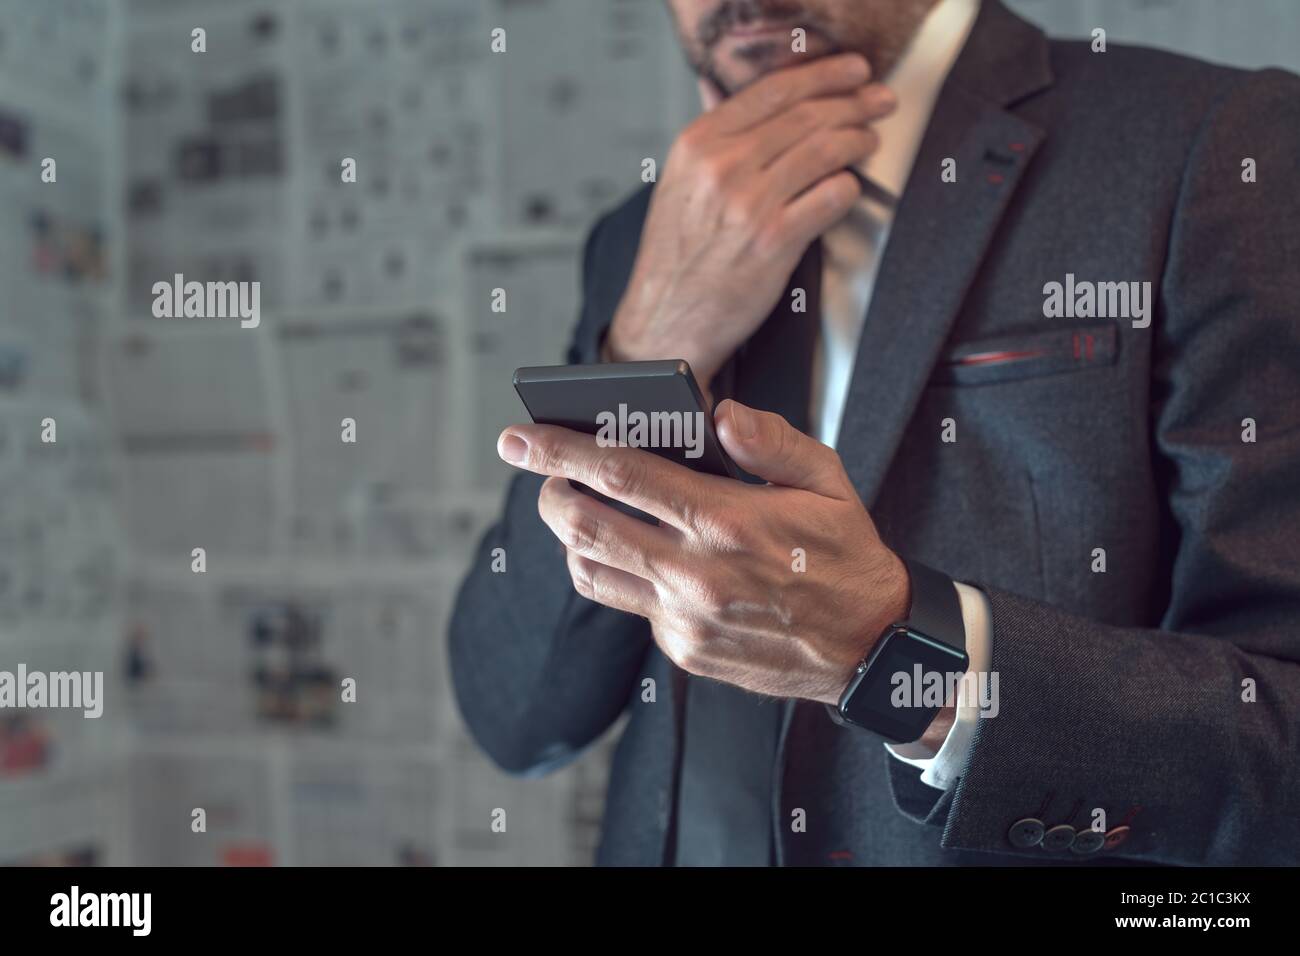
(1120, 691)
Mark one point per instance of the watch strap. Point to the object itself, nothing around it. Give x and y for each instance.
(935, 608)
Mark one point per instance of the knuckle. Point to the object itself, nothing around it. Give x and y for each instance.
(580, 575)
(687, 657)
(785, 445)
(648, 563)
(620, 474)
(841, 196)
(549, 496)
(686, 649)
(690, 513)
(581, 531)
(687, 145)
(742, 212)
(595, 584)
(713, 169)
(543, 455)
(712, 176)
(834, 466)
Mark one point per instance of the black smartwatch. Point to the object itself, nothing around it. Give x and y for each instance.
(894, 692)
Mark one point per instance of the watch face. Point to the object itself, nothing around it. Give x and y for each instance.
(906, 680)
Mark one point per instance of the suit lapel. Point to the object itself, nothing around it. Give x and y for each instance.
(940, 234)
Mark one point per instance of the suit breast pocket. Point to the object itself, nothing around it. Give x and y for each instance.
(1023, 355)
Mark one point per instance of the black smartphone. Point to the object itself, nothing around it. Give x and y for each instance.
(652, 405)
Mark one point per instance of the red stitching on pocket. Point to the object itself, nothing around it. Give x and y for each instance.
(998, 358)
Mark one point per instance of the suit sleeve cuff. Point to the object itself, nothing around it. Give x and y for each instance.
(942, 768)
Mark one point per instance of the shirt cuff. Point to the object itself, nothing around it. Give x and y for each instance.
(942, 769)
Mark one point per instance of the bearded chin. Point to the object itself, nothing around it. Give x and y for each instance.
(763, 58)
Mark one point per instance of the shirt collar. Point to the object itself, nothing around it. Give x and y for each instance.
(916, 80)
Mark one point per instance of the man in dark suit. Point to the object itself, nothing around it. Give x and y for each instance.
(1031, 314)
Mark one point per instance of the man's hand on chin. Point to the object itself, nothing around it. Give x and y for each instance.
(744, 190)
(781, 588)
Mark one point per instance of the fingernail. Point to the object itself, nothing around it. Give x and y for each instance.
(742, 420)
(512, 448)
(858, 65)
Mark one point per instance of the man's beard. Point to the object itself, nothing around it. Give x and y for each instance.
(731, 13)
(734, 13)
(882, 43)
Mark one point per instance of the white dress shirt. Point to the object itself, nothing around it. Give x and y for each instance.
(851, 251)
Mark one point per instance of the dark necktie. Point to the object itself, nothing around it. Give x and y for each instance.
(724, 801)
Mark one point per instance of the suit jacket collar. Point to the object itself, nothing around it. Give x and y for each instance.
(1005, 58)
(941, 232)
